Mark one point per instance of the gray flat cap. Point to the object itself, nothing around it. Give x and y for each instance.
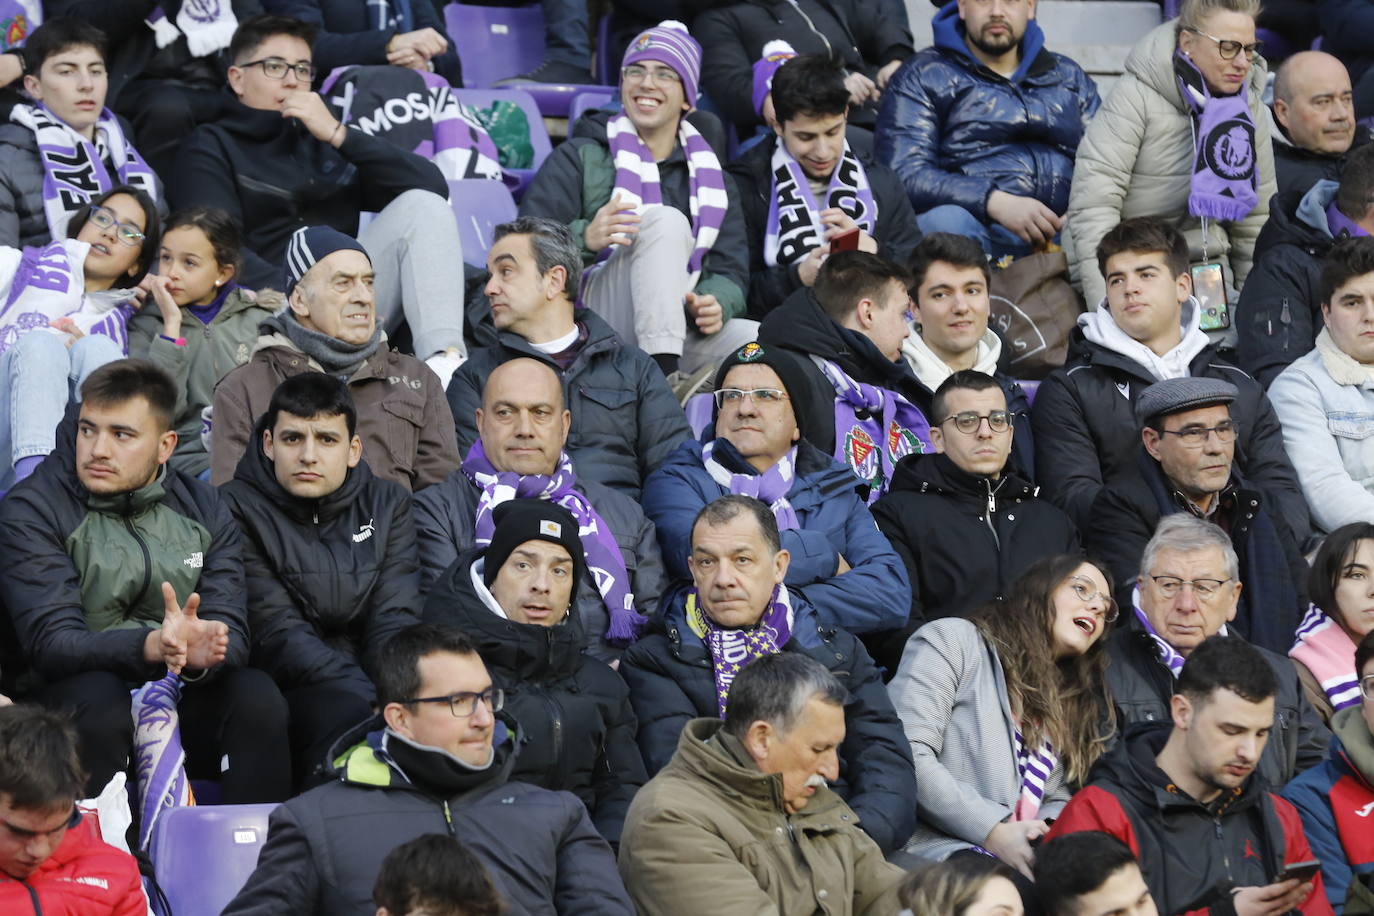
(1179, 394)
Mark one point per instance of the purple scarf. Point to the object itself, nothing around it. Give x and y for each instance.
(771, 487)
(1035, 768)
(1225, 182)
(1338, 222)
(732, 649)
(874, 428)
(159, 760)
(604, 560)
(794, 215)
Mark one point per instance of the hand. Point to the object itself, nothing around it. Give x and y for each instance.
(1031, 220)
(885, 74)
(861, 89)
(1271, 899)
(309, 108)
(1010, 841)
(422, 43)
(811, 266)
(187, 640)
(68, 326)
(171, 314)
(5, 701)
(9, 69)
(704, 308)
(614, 224)
(840, 222)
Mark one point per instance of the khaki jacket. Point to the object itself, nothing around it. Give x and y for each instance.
(709, 835)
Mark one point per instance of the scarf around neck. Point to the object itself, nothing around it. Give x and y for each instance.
(771, 486)
(333, 355)
(74, 167)
(1168, 655)
(1225, 182)
(1035, 767)
(732, 649)
(1328, 652)
(932, 371)
(794, 215)
(604, 560)
(207, 24)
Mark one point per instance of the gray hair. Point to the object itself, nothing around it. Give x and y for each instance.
(1185, 533)
(775, 689)
(1194, 13)
(553, 245)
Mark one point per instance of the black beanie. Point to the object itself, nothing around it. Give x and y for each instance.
(521, 520)
(788, 367)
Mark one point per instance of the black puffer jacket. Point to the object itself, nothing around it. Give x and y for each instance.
(577, 727)
(1298, 169)
(965, 539)
(671, 683)
(329, 580)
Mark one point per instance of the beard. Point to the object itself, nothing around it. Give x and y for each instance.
(996, 44)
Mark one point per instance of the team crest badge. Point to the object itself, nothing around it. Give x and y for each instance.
(644, 41)
(749, 352)
(862, 453)
(901, 442)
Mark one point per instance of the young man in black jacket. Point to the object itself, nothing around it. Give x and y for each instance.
(329, 554)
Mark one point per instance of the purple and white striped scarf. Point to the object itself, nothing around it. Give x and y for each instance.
(1329, 653)
(1035, 768)
(772, 486)
(604, 560)
(1225, 182)
(159, 761)
(874, 428)
(1168, 655)
(207, 24)
(794, 215)
(48, 283)
(732, 649)
(74, 167)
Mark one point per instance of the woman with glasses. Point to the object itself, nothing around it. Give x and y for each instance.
(1341, 586)
(1184, 135)
(1006, 711)
(66, 313)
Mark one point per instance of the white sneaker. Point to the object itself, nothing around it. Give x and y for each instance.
(446, 363)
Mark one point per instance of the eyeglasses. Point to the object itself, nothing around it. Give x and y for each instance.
(664, 76)
(1196, 436)
(1086, 591)
(463, 705)
(127, 233)
(757, 395)
(274, 68)
(1229, 49)
(969, 421)
(1169, 586)
(1367, 687)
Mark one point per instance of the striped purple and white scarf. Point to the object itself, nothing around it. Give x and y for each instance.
(49, 283)
(208, 25)
(1035, 768)
(1168, 655)
(772, 486)
(731, 649)
(874, 428)
(1329, 653)
(794, 215)
(159, 760)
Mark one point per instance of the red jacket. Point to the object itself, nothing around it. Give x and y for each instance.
(84, 877)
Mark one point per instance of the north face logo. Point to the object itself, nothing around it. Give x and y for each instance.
(364, 532)
(195, 560)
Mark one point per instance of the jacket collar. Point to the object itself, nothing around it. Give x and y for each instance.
(1343, 369)
(360, 758)
(1099, 327)
(931, 371)
(258, 472)
(935, 472)
(132, 502)
(949, 36)
(373, 367)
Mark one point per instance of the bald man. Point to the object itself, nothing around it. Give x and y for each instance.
(522, 433)
(1316, 117)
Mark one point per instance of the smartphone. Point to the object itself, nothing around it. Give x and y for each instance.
(845, 241)
(1209, 286)
(1303, 871)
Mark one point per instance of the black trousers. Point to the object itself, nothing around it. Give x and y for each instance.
(320, 714)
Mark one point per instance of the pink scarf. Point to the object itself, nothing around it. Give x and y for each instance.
(1329, 653)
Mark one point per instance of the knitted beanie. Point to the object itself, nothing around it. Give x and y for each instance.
(669, 43)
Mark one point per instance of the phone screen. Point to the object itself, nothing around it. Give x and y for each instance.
(1209, 286)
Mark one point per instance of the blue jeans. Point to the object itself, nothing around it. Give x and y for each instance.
(565, 32)
(39, 375)
(996, 239)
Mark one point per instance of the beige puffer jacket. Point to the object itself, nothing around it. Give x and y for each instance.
(1136, 160)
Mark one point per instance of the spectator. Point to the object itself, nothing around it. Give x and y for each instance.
(567, 46)
(1140, 156)
(1315, 113)
(703, 834)
(278, 161)
(846, 570)
(1189, 803)
(869, 38)
(201, 324)
(740, 609)
(1005, 711)
(1335, 798)
(404, 34)
(330, 325)
(1341, 615)
(329, 555)
(774, 54)
(1279, 313)
(790, 225)
(120, 570)
(951, 305)
(65, 148)
(523, 428)
(1086, 433)
(52, 857)
(1187, 465)
(962, 886)
(436, 759)
(67, 310)
(626, 421)
(1091, 873)
(965, 526)
(982, 127)
(1343, 22)
(652, 268)
(513, 597)
(435, 875)
(1187, 591)
(1324, 397)
(849, 331)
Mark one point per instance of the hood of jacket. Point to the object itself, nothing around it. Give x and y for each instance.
(801, 324)
(1352, 742)
(949, 34)
(931, 371)
(1299, 219)
(1100, 328)
(359, 757)
(1152, 62)
(257, 471)
(936, 473)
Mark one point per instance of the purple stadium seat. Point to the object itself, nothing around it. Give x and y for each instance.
(1276, 47)
(594, 98)
(204, 854)
(539, 135)
(479, 206)
(1029, 386)
(699, 409)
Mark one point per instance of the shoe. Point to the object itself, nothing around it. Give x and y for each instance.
(445, 364)
(686, 386)
(551, 71)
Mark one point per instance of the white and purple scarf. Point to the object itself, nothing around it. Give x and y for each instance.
(1329, 653)
(604, 560)
(159, 760)
(1034, 768)
(74, 167)
(732, 649)
(636, 179)
(771, 487)
(1168, 655)
(48, 283)
(1225, 182)
(794, 215)
(874, 428)
(207, 24)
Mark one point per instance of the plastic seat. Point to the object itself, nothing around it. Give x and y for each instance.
(479, 206)
(592, 98)
(539, 134)
(1029, 386)
(204, 854)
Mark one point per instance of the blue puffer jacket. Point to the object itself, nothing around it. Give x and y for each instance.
(874, 594)
(955, 131)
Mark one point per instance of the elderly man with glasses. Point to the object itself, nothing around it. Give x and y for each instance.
(1188, 589)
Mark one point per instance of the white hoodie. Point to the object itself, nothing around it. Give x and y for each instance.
(1101, 328)
(932, 371)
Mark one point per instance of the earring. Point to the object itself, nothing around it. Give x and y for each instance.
(218, 282)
